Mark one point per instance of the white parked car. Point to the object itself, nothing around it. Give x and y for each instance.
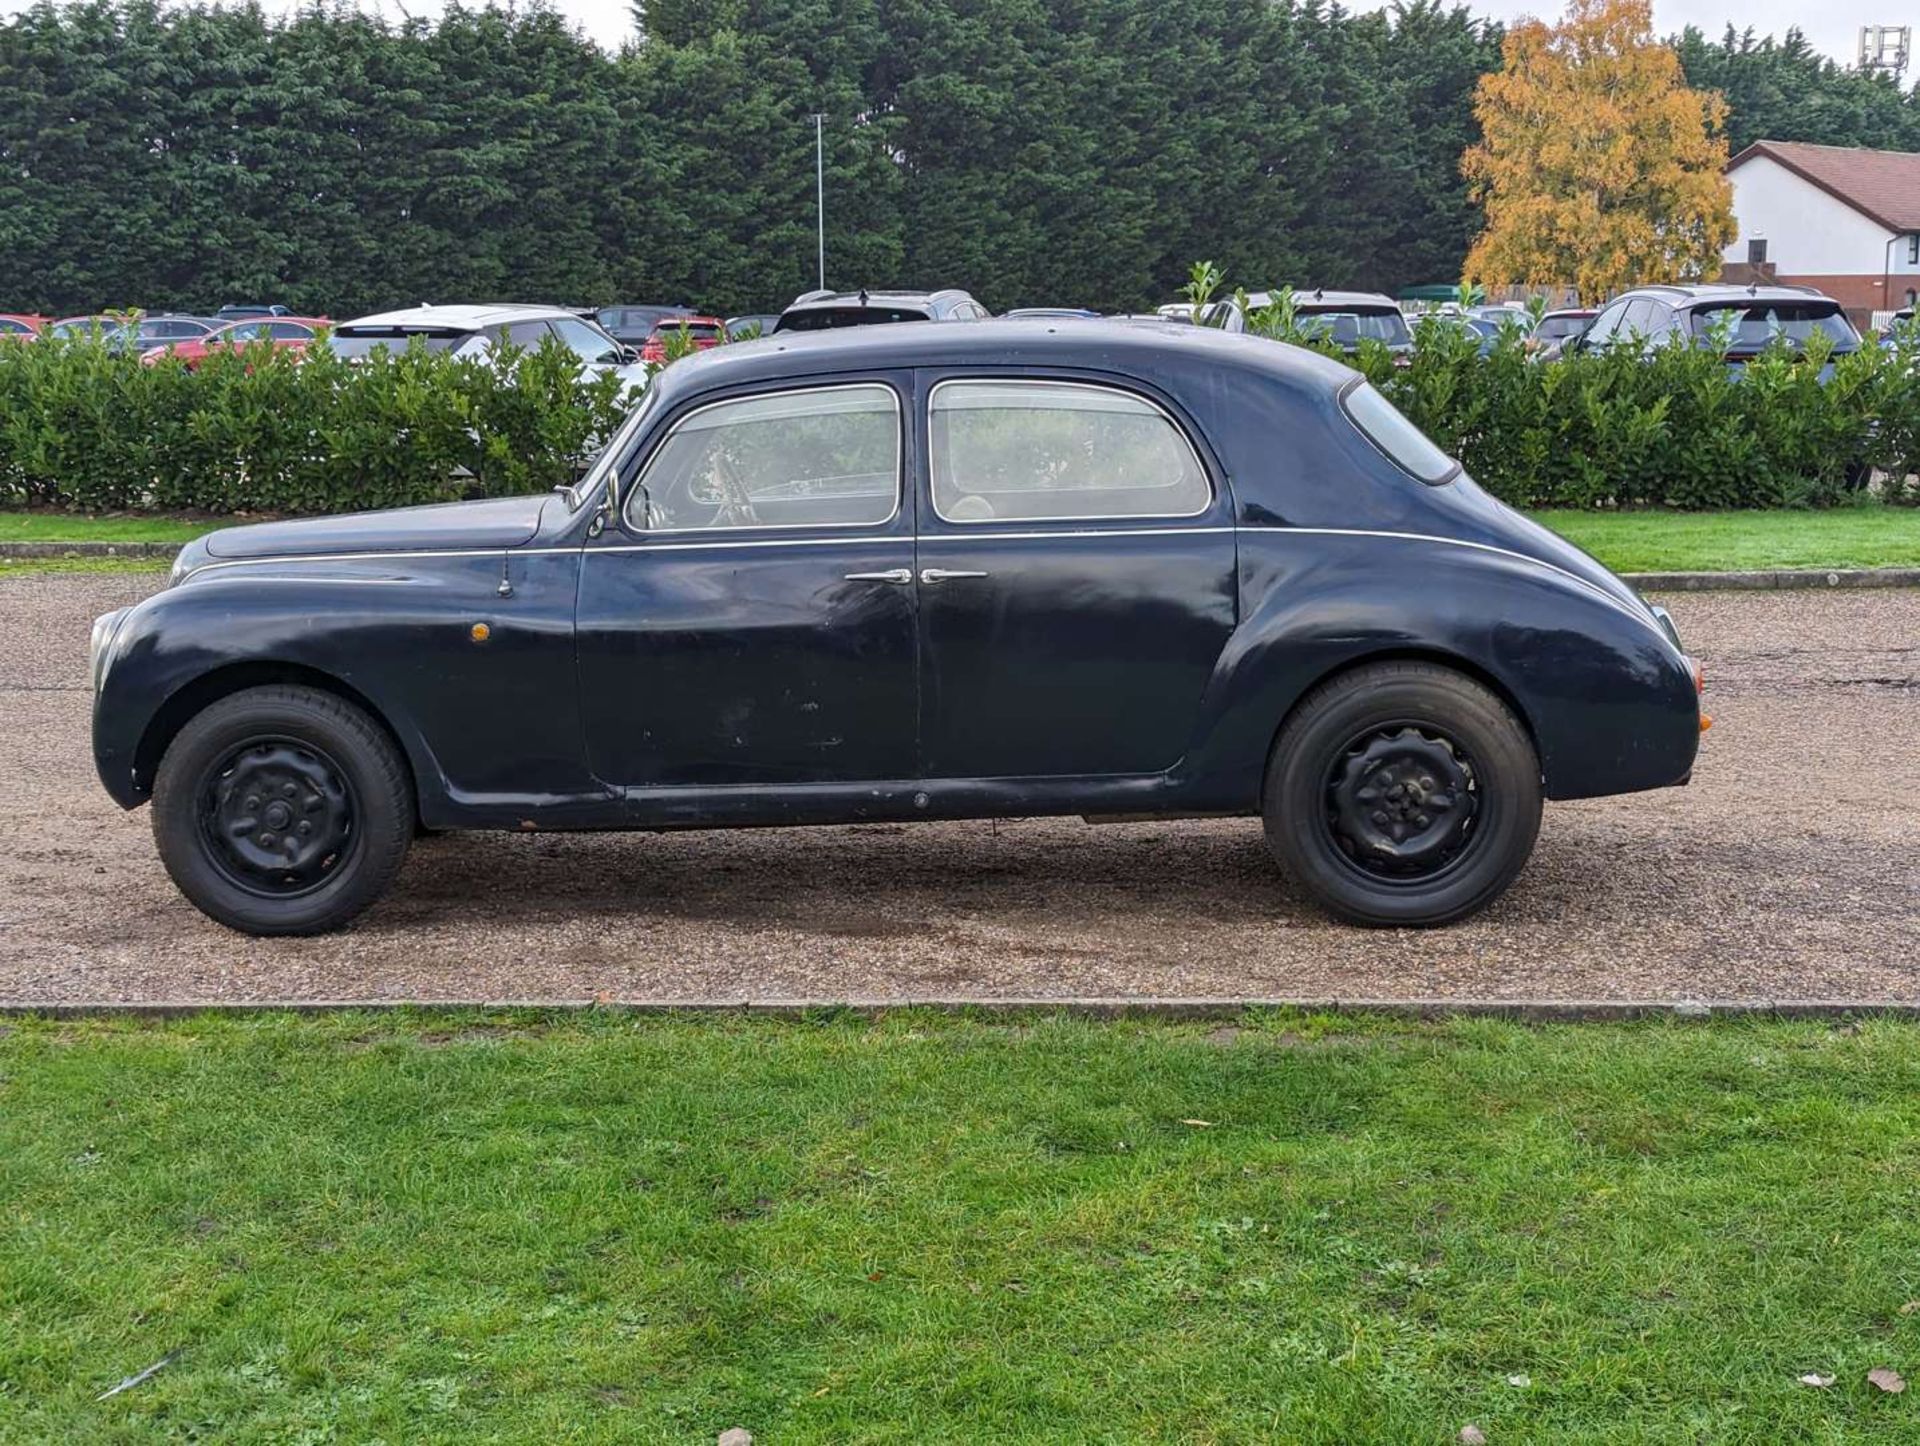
(475, 330)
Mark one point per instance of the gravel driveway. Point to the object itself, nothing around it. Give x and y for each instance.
(1786, 871)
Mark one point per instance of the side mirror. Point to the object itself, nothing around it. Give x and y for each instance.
(629, 356)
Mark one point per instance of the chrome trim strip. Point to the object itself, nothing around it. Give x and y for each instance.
(498, 552)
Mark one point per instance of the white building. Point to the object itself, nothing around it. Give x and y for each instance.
(1838, 218)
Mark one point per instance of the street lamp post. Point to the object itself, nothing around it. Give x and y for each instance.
(820, 190)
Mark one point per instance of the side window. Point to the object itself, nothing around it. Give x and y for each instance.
(250, 331)
(1034, 451)
(290, 331)
(589, 345)
(1638, 321)
(528, 334)
(825, 457)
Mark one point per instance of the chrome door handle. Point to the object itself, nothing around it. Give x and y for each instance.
(900, 575)
(943, 574)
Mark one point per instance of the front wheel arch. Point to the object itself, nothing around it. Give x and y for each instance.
(210, 687)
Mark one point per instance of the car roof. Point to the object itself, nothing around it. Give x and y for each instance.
(1725, 291)
(878, 297)
(459, 317)
(1151, 348)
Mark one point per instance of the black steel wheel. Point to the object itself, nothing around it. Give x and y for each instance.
(282, 810)
(1403, 793)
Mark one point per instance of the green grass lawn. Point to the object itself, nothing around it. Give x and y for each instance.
(1865, 536)
(442, 1228)
(46, 526)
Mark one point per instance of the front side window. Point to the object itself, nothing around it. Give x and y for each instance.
(1032, 451)
(1405, 445)
(825, 457)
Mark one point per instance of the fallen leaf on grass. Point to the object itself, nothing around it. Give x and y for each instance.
(1910, 1307)
(1520, 1380)
(1471, 1435)
(1812, 1378)
(1887, 1379)
(1199, 1124)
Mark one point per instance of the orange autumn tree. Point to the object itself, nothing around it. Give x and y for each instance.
(1598, 166)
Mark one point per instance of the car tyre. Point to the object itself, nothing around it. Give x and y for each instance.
(282, 810)
(1402, 794)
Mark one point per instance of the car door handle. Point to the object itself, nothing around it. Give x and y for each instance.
(944, 574)
(899, 575)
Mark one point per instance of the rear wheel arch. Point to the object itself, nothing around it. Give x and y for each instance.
(210, 687)
(1436, 657)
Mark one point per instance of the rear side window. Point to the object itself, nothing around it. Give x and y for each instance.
(1405, 445)
(1031, 451)
(1349, 328)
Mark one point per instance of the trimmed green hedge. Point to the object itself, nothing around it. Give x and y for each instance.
(82, 426)
(1674, 428)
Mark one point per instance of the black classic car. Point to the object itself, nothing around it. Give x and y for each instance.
(912, 572)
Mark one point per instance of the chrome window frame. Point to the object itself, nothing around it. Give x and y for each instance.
(1206, 476)
(632, 486)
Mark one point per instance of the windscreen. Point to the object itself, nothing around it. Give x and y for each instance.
(1349, 326)
(361, 341)
(825, 318)
(1758, 324)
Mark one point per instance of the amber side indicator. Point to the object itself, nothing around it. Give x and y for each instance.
(1705, 722)
(481, 632)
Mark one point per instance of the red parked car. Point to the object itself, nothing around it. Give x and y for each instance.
(705, 332)
(285, 333)
(19, 326)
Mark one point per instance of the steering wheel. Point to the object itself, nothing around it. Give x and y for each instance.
(735, 504)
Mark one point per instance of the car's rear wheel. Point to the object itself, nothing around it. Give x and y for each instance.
(282, 810)
(1403, 793)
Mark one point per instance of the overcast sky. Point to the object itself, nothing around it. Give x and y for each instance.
(1833, 27)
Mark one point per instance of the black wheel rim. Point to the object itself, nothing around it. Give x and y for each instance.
(1403, 804)
(277, 817)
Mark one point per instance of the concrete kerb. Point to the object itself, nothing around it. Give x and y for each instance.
(1532, 1011)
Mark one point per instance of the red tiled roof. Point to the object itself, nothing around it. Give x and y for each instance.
(1881, 185)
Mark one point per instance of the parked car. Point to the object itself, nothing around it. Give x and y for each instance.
(1558, 328)
(21, 326)
(1346, 318)
(169, 329)
(1759, 316)
(745, 328)
(242, 310)
(115, 332)
(282, 333)
(826, 310)
(702, 331)
(474, 330)
(631, 325)
(1122, 571)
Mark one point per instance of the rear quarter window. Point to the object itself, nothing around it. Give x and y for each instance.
(1404, 444)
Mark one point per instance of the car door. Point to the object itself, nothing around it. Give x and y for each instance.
(748, 617)
(1076, 569)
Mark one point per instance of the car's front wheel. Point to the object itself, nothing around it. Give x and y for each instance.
(282, 810)
(1403, 793)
